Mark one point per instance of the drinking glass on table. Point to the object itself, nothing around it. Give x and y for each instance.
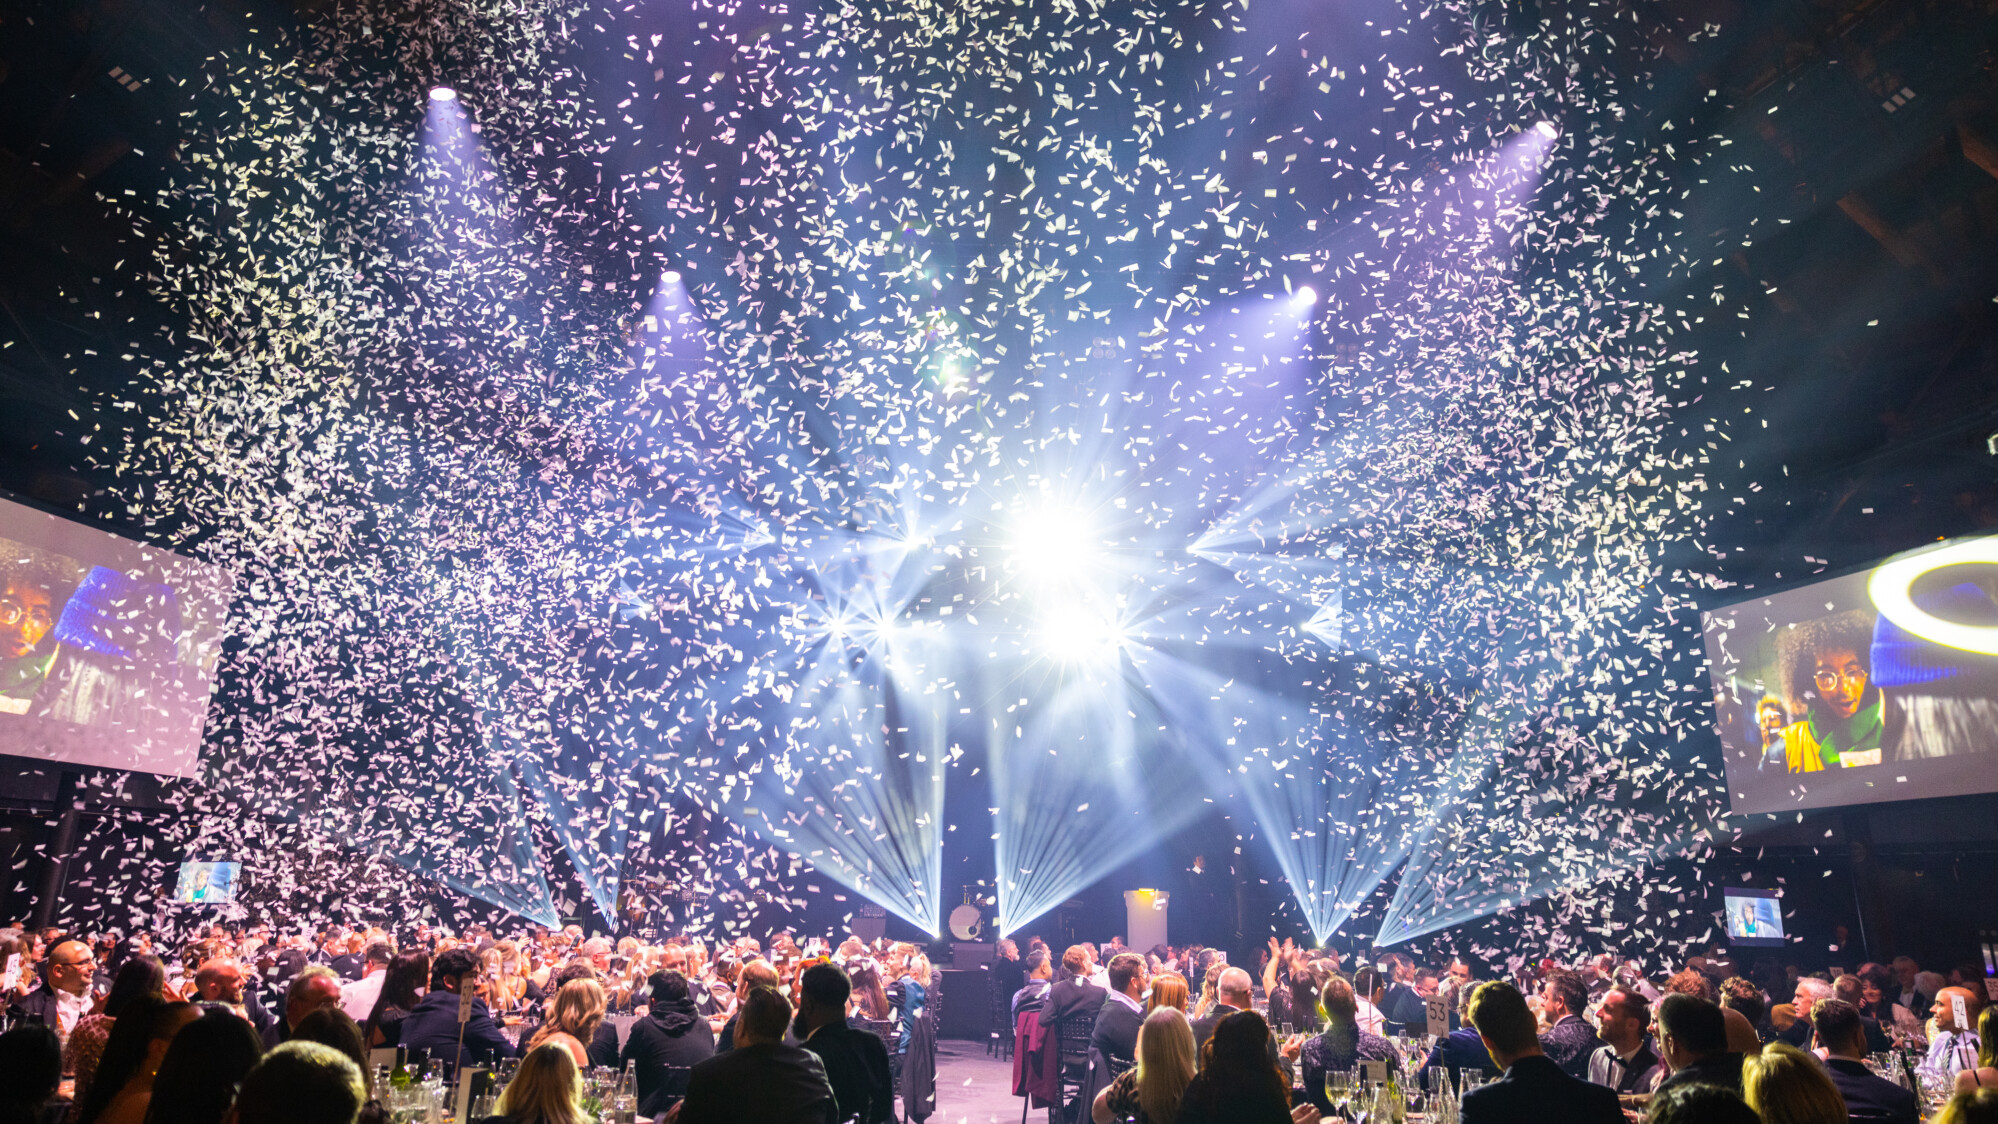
(1338, 1089)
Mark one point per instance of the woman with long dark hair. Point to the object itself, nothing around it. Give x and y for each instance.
(199, 1074)
(867, 990)
(142, 976)
(402, 986)
(122, 1091)
(1238, 1082)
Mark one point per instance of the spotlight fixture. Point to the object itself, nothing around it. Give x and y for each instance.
(1548, 129)
(443, 93)
(1307, 295)
(671, 277)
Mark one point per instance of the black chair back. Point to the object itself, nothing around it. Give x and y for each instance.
(1074, 1033)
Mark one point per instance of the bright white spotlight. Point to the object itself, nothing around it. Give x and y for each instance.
(1076, 634)
(1307, 295)
(443, 93)
(1051, 543)
(671, 277)
(1547, 129)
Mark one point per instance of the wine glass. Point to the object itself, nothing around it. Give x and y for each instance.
(1338, 1089)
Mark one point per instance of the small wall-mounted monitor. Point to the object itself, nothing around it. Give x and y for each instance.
(208, 882)
(1754, 918)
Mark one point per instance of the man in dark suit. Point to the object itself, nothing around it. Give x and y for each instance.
(761, 1080)
(1868, 1098)
(1233, 991)
(1403, 1010)
(1534, 1090)
(1033, 994)
(312, 989)
(64, 995)
(433, 1026)
(855, 1061)
(1009, 973)
(1123, 1012)
(1692, 1034)
(1570, 1039)
(1072, 994)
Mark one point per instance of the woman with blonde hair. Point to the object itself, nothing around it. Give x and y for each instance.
(1978, 1106)
(1168, 990)
(547, 1089)
(1784, 1085)
(1152, 1089)
(579, 1011)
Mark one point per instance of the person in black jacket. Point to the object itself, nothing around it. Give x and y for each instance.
(761, 1081)
(1868, 1097)
(668, 1041)
(1692, 1035)
(1570, 1040)
(1534, 1089)
(1123, 1011)
(856, 1061)
(1073, 994)
(433, 1026)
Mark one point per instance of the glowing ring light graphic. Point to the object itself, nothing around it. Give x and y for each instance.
(1889, 585)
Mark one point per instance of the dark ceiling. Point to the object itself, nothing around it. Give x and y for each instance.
(1854, 209)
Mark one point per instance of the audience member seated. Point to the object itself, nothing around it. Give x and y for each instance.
(1954, 1048)
(1692, 1038)
(1232, 994)
(123, 1087)
(1868, 1097)
(1461, 1049)
(1785, 1085)
(755, 974)
(855, 1061)
(668, 1041)
(331, 1026)
(140, 977)
(198, 1076)
(402, 988)
(1985, 1076)
(1810, 990)
(1123, 1010)
(1850, 989)
(1627, 1061)
(1238, 1082)
(30, 1071)
(1699, 1104)
(62, 998)
(1878, 991)
(546, 1089)
(1978, 1106)
(432, 1026)
(1168, 990)
(300, 1083)
(1907, 991)
(314, 987)
(1569, 1040)
(1073, 994)
(1534, 1089)
(1033, 994)
(579, 1010)
(1150, 1091)
(762, 1079)
(1342, 1044)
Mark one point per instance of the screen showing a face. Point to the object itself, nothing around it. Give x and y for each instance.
(206, 882)
(1880, 685)
(107, 646)
(1754, 917)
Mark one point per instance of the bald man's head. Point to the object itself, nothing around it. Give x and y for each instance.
(1234, 988)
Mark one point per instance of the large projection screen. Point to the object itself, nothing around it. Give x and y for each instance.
(107, 646)
(1879, 685)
